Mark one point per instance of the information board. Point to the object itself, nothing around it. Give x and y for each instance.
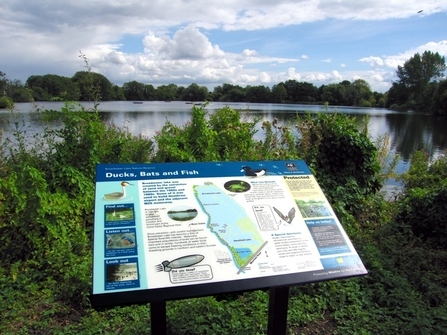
(178, 230)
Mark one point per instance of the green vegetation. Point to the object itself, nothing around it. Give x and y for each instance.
(51, 87)
(421, 86)
(46, 205)
(6, 102)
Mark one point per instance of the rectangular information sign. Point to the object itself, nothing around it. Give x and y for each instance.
(179, 230)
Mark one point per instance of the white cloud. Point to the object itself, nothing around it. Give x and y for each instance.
(290, 74)
(252, 15)
(116, 58)
(187, 43)
(336, 76)
(323, 78)
(249, 53)
(395, 60)
(46, 36)
(329, 60)
(376, 77)
(373, 61)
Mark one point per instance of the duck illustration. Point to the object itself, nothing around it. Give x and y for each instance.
(117, 195)
(290, 216)
(253, 173)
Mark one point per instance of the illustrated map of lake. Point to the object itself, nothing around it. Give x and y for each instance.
(230, 223)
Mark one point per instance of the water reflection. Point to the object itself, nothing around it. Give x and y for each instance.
(408, 131)
(144, 123)
(412, 132)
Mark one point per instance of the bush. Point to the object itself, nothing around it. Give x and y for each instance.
(47, 198)
(6, 102)
(343, 158)
(424, 204)
(221, 138)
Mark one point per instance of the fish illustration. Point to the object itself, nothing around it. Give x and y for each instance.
(181, 262)
(290, 216)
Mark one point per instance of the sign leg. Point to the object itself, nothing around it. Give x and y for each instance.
(158, 317)
(278, 305)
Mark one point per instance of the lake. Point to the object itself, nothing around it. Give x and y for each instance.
(408, 131)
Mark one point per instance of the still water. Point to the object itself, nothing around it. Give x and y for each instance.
(408, 131)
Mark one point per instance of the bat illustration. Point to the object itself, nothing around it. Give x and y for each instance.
(290, 216)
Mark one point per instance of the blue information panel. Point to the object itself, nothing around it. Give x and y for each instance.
(179, 230)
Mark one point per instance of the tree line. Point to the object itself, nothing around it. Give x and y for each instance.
(421, 86)
(51, 87)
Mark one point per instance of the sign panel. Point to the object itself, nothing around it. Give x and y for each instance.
(179, 230)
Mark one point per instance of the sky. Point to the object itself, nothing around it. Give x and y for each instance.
(208, 42)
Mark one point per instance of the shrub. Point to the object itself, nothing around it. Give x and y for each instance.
(47, 196)
(6, 102)
(221, 138)
(424, 204)
(343, 158)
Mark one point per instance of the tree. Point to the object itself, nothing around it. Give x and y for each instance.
(419, 70)
(237, 94)
(397, 96)
(279, 93)
(53, 86)
(93, 82)
(167, 92)
(439, 104)
(118, 93)
(3, 83)
(416, 75)
(217, 93)
(133, 90)
(334, 94)
(258, 94)
(13, 90)
(194, 92)
(359, 93)
(380, 99)
(149, 92)
(301, 91)
(23, 94)
(229, 93)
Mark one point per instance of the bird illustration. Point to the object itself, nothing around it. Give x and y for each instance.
(253, 173)
(117, 195)
(290, 216)
(127, 240)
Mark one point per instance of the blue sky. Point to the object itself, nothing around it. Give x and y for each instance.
(243, 42)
